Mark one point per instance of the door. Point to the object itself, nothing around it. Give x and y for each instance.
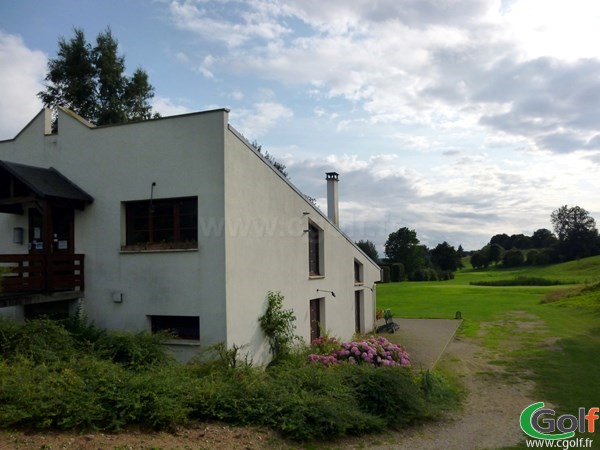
(63, 232)
(315, 319)
(36, 231)
(357, 311)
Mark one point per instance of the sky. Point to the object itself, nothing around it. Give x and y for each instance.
(460, 119)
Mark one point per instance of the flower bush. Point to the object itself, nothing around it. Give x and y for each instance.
(377, 352)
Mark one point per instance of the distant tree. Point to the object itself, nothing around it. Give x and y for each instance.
(460, 254)
(91, 82)
(543, 238)
(576, 231)
(479, 260)
(532, 257)
(520, 241)
(269, 157)
(369, 248)
(403, 246)
(513, 258)
(495, 252)
(503, 240)
(445, 257)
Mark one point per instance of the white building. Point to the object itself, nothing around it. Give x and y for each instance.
(174, 223)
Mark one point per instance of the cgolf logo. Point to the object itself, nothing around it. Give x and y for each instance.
(539, 422)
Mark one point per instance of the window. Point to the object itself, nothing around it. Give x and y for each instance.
(316, 318)
(183, 327)
(358, 272)
(172, 222)
(315, 251)
(358, 296)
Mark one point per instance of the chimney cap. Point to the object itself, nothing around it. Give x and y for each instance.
(332, 176)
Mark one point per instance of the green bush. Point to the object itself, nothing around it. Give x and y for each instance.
(385, 277)
(134, 350)
(519, 281)
(85, 379)
(390, 393)
(398, 273)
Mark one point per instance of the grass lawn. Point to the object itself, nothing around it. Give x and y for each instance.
(567, 373)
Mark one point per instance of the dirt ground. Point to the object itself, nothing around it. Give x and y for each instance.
(488, 420)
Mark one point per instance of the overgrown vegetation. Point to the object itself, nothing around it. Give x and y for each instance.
(72, 375)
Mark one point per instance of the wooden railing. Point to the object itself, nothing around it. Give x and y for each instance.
(41, 273)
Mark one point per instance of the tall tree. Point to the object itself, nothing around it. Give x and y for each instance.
(91, 81)
(403, 246)
(369, 248)
(576, 231)
(445, 257)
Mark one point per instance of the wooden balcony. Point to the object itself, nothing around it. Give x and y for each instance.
(27, 274)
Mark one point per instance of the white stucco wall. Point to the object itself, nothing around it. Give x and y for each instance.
(267, 250)
(113, 164)
(251, 230)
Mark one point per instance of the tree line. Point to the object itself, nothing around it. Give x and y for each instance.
(407, 259)
(575, 236)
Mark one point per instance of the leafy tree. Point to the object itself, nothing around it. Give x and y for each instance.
(503, 240)
(495, 252)
(460, 254)
(445, 257)
(543, 238)
(513, 258)
(403, 246)
(576, 231)
(369, 248)
(91, 81)
(479, 260)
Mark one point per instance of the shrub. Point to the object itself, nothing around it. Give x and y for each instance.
(519, 281)
(391, 394)
(376, 352)
(278, 325)
(42, 341)
(513, 258)
(385, 277)
(134, 350)
(398, 273)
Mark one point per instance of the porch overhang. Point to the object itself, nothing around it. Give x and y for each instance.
(21, 184)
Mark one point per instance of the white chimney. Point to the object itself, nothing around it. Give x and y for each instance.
(333, 211)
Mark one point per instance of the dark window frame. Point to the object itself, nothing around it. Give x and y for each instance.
(182, 327)
(315, 250)
(358, 272)
(172, 222)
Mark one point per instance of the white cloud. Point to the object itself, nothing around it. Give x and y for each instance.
(167, 107)
(22, 71)
(256, 122)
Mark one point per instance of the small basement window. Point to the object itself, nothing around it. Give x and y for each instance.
(161, 224)
(183, 327)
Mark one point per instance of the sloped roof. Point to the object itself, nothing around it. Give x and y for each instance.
(47, 183)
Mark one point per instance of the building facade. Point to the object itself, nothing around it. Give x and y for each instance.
(175, 223)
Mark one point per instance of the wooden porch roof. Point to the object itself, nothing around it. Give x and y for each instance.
(20, 183)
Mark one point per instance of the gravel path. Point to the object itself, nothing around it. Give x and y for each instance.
(491, 412)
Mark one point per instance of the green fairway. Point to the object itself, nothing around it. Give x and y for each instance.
(559, 350)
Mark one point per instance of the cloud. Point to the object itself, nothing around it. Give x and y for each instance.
(455, 65)
(469, 201)
(22, 71)
(167, 107)
(256, 122)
